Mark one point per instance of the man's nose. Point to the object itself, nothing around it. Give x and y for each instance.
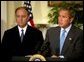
(20, 18)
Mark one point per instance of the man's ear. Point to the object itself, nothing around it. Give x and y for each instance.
(27, 18)
(71, 20)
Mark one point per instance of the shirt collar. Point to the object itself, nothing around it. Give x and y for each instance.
(67, 29)
(22, 28)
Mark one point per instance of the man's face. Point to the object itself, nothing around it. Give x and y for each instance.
(64, 19)
(21, 17)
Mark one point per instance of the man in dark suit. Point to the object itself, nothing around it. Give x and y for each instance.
(72, 46)
(14, 43)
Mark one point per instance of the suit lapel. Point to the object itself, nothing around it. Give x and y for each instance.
(57, 39)
(27, 33)
(17, 34)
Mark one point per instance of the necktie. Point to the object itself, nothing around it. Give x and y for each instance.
(22, 35)
(62, 39)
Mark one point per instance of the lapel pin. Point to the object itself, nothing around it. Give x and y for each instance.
(70, 38)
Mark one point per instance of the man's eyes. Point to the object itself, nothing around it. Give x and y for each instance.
(21, 16)
(63, 16)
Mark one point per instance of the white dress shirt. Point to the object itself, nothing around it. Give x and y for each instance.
(21, 29)
(67, 30)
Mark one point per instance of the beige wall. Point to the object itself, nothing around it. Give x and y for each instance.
(3, 17)
(40, 10)
(12, 5)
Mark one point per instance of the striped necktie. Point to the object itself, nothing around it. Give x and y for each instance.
(22, 35)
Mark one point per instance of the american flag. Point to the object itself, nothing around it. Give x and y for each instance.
(28, 5)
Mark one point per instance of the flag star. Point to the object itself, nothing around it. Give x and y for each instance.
(29, 6)
(28, 2)
(30, 15)
(29, 10)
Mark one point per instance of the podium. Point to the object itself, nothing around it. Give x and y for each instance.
(22, 58)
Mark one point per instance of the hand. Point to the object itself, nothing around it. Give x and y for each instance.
(54, 56)
(28, 55)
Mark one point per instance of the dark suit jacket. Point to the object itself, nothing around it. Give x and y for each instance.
(12, 46)
(73, 45)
